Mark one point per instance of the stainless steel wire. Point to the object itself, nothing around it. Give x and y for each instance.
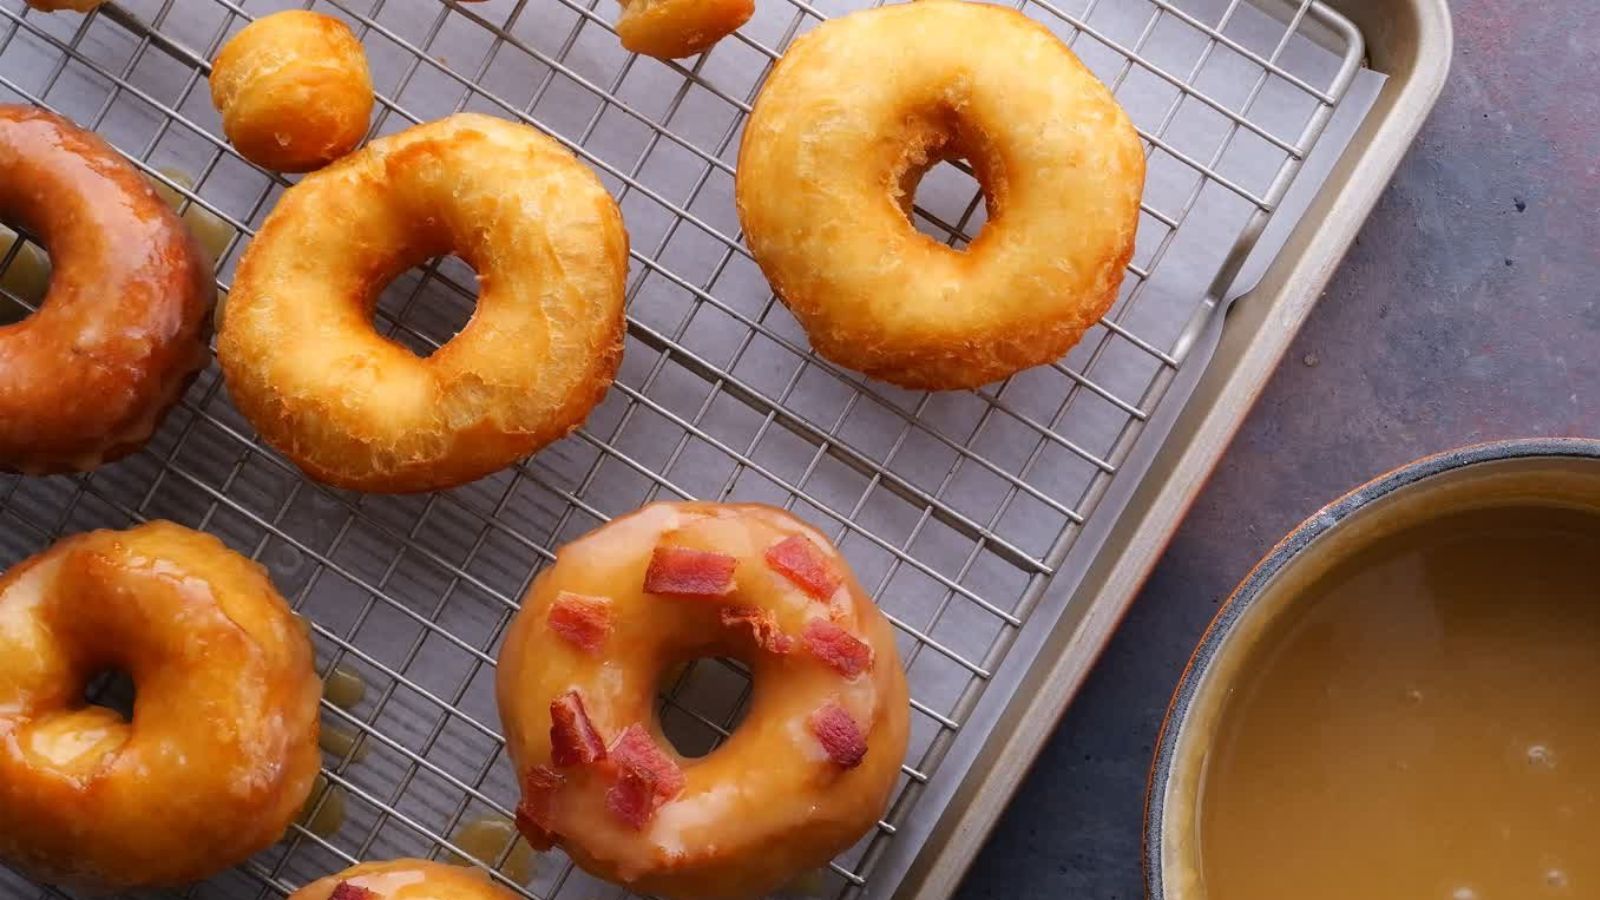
(956, 509)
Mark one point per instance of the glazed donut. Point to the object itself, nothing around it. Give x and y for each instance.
(355, 410)
(839, 139)
(82, 6)
(127, 313)
(222, 747)
(674, 29)
(404, 879)
(806, 773)
(294, 91)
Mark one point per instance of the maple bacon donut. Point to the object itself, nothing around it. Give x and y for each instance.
(807, 772)
(404, 879)
(834, 149)
(222, 747)
(124, 325)
(353, 409)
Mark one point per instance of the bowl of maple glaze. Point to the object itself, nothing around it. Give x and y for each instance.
(1402, 700)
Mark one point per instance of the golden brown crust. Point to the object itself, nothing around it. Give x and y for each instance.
(831, 156)
(82, 6)
(294, 91)
(674, 29)
(222, 749)
(407, 879)
(125, 323)
(305, 366)
(771, 802)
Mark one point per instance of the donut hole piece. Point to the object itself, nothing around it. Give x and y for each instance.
(702, 702)
(428, 304)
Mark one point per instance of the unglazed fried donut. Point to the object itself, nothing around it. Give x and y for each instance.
(123, 328)
(353, 409)
(404, 879)
(806, 773)
(673, 29)
(838, 140)
(294, 90)
(222, 748)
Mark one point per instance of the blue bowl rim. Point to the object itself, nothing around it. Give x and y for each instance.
(1245, 595)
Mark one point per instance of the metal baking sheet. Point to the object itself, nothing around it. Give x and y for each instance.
(957, 509)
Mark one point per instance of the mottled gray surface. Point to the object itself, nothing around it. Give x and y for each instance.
(1468, 310)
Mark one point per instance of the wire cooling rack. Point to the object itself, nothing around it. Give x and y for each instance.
(956, 509)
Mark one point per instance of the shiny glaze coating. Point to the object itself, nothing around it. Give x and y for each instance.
(294, 90)
(222, 747)
(124, 326)
(769, 803)
(353, 409)
(57, 5)
(848, 122)
(674, 29)
(408, 879)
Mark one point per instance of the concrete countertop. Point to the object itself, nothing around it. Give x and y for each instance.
(1468, 310)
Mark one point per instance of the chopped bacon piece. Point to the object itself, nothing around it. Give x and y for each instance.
(573, 740)
(763, 627)
(798, 559)
(838, 648)
(583, 621)
(839, 735)
(646, 777)
(534, 817)
(683, 572)
(633, 798)
(344, 890)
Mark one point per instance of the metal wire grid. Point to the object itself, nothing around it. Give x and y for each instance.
(956, 508)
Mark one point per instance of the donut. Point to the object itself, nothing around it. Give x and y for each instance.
(293, 90)
(82, 6)
(404, 879)
(674, 29)
(305, 366)
(804, 776)
(127, 313)
(852, 117)
(222, 746)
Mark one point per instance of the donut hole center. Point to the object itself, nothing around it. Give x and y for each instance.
(702, 701)
(24, 275)
(111, 687)
(946, 186)
(427, 304)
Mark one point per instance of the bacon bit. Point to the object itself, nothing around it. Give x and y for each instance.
(838, 648)
(573, 740)
(646, 777)
(763, 627)
(344, 890)
(534, 817)
(633, 798)
(683, 572)
(798, 559)
(582, 620)
(839, 735)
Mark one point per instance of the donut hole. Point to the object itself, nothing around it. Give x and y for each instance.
(112, 688)
(702, 701)
(24, 276)
(950, 204)
(427, 304)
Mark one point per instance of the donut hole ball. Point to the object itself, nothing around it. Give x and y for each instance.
(294, 91)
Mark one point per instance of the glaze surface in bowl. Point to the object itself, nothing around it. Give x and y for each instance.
(1399, 701)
